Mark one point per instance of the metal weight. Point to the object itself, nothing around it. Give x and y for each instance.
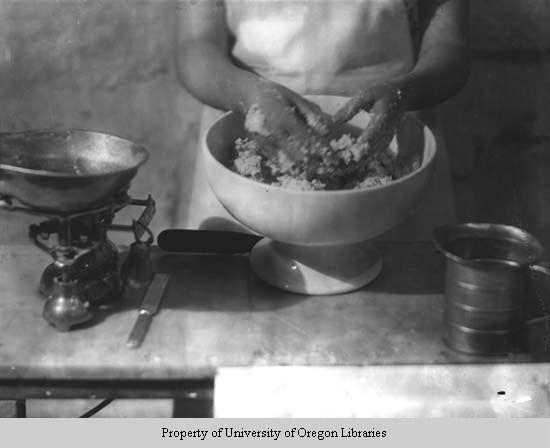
(65, 308)
(137, 269)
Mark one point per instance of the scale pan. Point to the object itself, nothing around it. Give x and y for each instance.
(66, 171)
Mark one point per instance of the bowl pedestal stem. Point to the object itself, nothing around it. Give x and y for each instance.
(316, 270)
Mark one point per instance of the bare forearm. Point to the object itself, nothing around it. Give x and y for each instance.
(438, 75)
(443, 64)
(442, 67)
(208, 74)
(203, 63)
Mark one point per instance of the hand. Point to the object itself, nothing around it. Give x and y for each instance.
(386, 104)
(278, 116)
(410, 141)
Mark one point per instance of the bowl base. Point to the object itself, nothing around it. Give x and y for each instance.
(315, 270)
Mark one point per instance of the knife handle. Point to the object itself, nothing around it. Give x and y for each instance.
(140, 329)
(206, 241)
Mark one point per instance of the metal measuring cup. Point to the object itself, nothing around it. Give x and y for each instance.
(487, 285)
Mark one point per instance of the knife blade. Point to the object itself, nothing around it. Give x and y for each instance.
(149, 307)
(206, 241)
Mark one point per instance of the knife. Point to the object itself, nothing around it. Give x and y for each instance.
(149, 307)
(206, 241)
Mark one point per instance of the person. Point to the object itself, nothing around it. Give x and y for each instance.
(388, 56)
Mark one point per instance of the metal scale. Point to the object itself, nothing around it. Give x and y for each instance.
(78, 181)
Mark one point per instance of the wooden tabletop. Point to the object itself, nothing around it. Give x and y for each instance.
(216, 313)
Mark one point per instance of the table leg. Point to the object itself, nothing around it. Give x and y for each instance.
(21, 408)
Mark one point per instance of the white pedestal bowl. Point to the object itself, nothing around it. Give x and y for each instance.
(316, 242)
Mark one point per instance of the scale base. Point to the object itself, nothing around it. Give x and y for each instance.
(316, 270)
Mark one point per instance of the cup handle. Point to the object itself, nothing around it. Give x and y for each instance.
(543, 302)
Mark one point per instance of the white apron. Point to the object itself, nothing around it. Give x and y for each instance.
(305, 45)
